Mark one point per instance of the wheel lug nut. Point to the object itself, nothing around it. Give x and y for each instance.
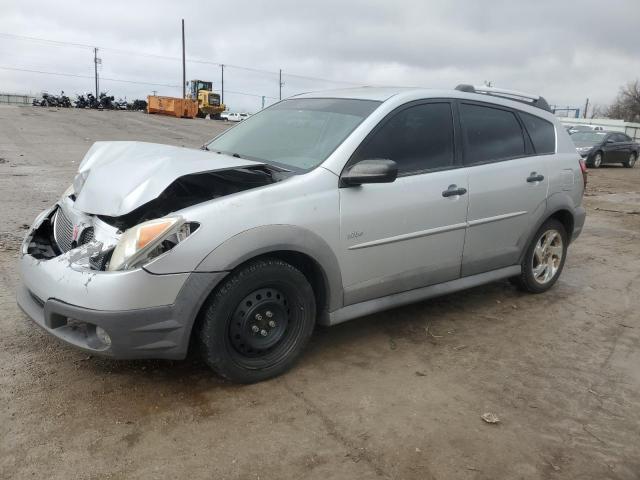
(258, 317)
(255, 329)
(269, 314)
(263, 333)
(272, 323)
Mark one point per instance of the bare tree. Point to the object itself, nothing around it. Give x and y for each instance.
(598, 111)
(627, 104)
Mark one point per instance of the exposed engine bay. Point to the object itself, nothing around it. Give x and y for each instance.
(65, 228)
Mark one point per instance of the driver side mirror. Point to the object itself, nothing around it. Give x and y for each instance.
(369, 171)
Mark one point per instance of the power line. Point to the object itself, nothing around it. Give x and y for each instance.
(167, 57)
(121, 80)
(61, 74)
(251, 94)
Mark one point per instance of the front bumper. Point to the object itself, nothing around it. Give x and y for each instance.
(145, 315)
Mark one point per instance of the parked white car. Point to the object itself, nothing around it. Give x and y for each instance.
(234, 117)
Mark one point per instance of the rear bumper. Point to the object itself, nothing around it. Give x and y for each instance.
(145, 315)
(579, 216)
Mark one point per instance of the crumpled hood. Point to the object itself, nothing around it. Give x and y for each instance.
(123, 176)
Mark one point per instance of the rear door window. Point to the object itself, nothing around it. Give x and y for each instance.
(490, 134)
(541, 132)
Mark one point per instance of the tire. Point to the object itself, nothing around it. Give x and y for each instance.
(539, 276)
(596, 162)
(631, 161)
(258, 322)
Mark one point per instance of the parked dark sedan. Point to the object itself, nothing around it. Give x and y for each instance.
(606, 147)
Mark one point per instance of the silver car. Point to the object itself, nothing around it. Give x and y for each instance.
(320, 209)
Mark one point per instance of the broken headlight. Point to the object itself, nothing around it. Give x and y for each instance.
(146, 241)
(68, 192)
(79, 180)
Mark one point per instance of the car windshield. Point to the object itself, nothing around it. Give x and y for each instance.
(588, 138)
(297, 134)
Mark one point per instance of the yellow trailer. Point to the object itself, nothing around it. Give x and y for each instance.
(174, 106)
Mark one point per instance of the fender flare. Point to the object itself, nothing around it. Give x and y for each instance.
(273, 238)
(555, 203)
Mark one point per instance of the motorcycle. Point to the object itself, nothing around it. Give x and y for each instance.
(63, 100)
(81, 102)
(139, 105)
(92, 101)
(121, 104)
(105, 101)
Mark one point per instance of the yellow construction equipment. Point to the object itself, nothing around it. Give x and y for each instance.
(208, 102)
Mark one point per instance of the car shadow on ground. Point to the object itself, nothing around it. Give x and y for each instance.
(415, 323)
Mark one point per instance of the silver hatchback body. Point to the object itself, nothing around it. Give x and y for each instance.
(319, 209)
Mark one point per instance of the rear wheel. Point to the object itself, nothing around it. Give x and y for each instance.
(255, 326)
(631, 161)
(544, 259)
(597, 160)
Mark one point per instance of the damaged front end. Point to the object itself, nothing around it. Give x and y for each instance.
(102, 242)
(63, 229)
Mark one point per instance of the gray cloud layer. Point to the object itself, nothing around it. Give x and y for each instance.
(565, 50)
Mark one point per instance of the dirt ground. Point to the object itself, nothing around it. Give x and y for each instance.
(394, 395)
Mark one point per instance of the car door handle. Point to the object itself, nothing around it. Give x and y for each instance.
(453, 190)
(535, 177)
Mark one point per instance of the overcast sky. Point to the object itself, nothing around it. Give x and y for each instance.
(566, 50)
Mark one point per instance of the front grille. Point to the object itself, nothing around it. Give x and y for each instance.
(63, 231)
(86, 236)
(98, 261)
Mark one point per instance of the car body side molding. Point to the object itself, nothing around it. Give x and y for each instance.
(404, 298)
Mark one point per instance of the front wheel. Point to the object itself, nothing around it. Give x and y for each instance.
(631, 161)
(597, 160)
(256, 324)
(544, 260)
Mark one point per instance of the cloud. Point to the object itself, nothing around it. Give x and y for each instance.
(566, 51)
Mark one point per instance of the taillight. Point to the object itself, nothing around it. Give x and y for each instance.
(583, 169)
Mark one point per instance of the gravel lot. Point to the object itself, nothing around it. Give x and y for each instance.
(394, 395)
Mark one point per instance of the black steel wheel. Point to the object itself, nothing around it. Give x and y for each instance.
(256, 324)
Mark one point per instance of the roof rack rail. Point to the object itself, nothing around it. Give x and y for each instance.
(528, 98)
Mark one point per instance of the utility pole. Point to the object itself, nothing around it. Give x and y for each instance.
(262, 103)
(95, 68)
(281, 84)
(184, 66)
(154, 92)
(586, 107)
(222, 83)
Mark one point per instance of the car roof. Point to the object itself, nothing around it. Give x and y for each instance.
(360, 93)
(401, 94)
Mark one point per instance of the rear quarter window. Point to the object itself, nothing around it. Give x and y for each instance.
(541, 132)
